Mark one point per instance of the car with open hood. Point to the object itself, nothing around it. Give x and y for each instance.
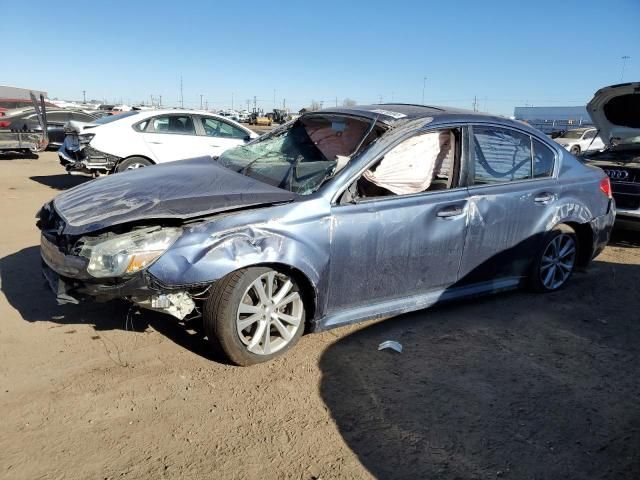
(141, 138)
(342, 215)
(615, 110)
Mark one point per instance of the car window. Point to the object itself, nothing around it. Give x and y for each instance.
(217, 128)
(58, 117)
(81, 117)
(424, 162)
(141, 126)
(501, 155)
(178, 124)
(589, 135)
(543, 160)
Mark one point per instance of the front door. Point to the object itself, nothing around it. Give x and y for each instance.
(398, 245)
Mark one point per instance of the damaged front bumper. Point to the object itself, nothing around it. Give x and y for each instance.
(69, 280)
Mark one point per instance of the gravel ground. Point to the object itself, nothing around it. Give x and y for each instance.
(518, 385)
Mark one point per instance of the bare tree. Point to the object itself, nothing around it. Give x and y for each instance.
(349, 102)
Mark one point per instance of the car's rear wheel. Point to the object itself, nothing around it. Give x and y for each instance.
(575, 150)
(132, 163)
(556, 261)
(254, 315)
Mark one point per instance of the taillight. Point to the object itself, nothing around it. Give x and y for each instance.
(4, 124)
(605, 186)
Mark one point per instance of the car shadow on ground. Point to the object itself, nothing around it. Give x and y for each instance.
(23, 285)
(518, 385)
(625, 238)
(9, 155)
(60, 182)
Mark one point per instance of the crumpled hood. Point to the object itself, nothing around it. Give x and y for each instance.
(615, 111)
(175, 190)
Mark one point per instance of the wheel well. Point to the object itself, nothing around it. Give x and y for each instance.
(584, 234)
(133, 156)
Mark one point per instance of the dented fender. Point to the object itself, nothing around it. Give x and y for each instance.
(208, 251)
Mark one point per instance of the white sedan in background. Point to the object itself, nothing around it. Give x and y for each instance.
(581, 140)
(140, 138)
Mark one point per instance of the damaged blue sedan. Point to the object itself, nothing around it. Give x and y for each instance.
(340, 216)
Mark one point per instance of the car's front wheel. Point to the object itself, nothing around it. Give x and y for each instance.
(132, 163)
(254, 315)
(556, 261)
(575, 150)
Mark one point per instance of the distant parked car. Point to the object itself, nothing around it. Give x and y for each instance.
(344, 215)
(27, 121)
(615, 110)
(581, 140)
(140, 138)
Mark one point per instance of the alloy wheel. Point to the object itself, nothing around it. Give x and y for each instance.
(558, 261)
(133, 166)
(269, 314)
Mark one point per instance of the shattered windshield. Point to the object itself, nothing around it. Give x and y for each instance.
(304, 154)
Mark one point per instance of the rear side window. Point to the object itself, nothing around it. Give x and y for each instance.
(501, 155)
(141, 126)
(543, 160)
(58, 117)
(176, 124)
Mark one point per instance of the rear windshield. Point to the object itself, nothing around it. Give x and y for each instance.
(113, 118)
(302, 155)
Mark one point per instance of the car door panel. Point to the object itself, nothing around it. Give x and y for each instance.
(396, 246)
(507, 221)
(168, 143)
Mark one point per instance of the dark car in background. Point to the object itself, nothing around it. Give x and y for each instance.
(27, 121)
(615, 110)
(340, 216)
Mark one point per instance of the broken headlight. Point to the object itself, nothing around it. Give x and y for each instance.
(127, 253)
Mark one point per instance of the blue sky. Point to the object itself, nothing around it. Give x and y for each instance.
(507, 53)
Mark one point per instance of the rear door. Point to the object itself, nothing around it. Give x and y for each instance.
(512, 191)
(172, 137)
(216, 136)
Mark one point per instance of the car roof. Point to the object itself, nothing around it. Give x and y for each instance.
(394, 113)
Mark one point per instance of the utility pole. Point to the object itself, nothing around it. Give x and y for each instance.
(624, 64)
(84, 96)
(181, 95)
(200, 101)
(284, 103)
(160, 102)
(248, 102)
(475, 103)
(336, 102)
(255, 103)
(206, 105)
(379, 98)
(424, 85)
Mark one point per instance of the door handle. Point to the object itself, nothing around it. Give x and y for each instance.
(448, 212)
(544, 198)
(156, 143)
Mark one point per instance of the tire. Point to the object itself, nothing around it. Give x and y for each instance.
(132, 163)
(575, 150)
(262, 337)
(556, 261)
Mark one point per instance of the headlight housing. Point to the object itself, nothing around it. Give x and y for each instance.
(85, 138)
(127, 253)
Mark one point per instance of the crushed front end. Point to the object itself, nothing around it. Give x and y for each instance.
(76, 271)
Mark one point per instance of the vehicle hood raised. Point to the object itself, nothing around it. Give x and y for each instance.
(615, 111)
(176, 190)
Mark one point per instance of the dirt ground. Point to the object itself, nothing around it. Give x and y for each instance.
(518, 385)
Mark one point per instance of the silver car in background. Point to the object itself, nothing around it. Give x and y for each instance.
(340, 216)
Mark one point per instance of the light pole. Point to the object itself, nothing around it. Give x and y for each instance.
(424, 85)
(624, 64)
